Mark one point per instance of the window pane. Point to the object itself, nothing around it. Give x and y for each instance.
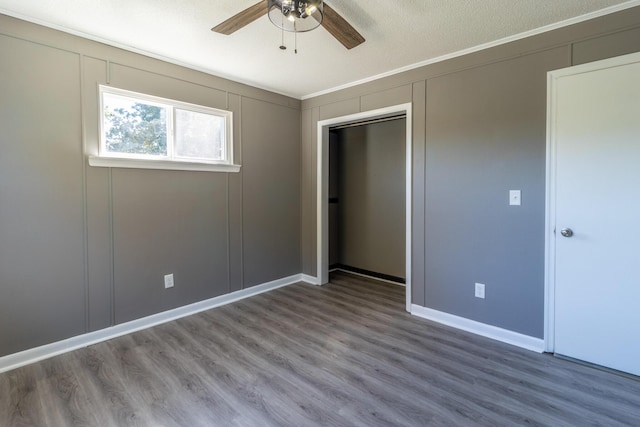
(199, 135)
(134, 127)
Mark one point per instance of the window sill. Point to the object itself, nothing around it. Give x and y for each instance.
(116, 162)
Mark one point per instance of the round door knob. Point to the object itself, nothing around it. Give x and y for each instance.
(566, 232)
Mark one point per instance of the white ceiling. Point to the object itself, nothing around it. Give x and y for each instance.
(399, 34)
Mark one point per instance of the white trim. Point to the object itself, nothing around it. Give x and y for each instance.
(551, 175)
(549, 227)
(408, 204)
(322, 205)
(309, 279)
(36, 354)
(121, 162)
(530, 33)
(322, 187)
(503, 335)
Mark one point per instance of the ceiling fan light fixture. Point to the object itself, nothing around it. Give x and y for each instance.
(301, 15)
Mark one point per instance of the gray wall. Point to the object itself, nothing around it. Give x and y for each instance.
(371, 193)
(479, 125)
(83, 248)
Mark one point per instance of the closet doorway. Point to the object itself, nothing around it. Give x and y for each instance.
(364, 195)
(367, 198)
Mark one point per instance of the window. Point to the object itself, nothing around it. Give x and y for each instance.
(138, 130)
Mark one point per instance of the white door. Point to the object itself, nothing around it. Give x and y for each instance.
(595, 137)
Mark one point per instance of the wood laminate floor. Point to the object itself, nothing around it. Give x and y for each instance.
(345, 354)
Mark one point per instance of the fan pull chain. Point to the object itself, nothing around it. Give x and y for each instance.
(282, 46)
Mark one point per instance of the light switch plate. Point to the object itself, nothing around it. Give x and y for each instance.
(514, 197)
(480, 290)
(168, 281)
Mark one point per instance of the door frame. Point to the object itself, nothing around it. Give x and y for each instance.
(551, 176)
(322, 191)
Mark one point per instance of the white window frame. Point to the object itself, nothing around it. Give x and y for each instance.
(170, 161)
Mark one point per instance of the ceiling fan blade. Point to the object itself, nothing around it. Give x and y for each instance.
(241, 19)
(340, 28)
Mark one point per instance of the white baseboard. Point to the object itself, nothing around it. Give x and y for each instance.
(16, 360)
(489, 331)
(312, 280)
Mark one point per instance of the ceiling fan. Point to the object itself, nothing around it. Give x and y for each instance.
(295, 16)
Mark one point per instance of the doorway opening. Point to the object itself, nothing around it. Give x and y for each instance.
(366, 198)
(324, 130)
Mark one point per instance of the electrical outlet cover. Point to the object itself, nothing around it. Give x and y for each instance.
(515, 197)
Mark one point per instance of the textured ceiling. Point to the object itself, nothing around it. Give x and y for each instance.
(399, 34)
